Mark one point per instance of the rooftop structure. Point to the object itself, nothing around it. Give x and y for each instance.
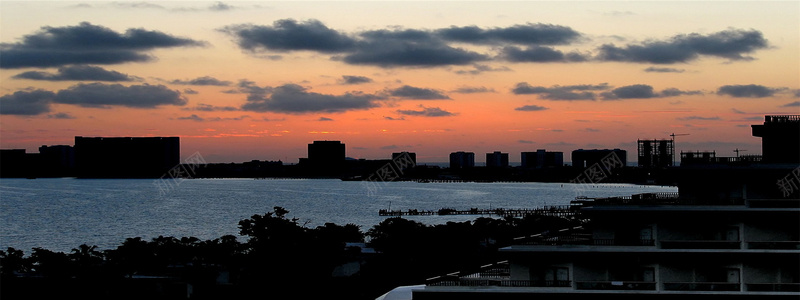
(780, 138)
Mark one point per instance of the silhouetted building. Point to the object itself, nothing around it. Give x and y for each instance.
(780, 138)
(542, 159)
(497, 159)
(461, 159)
(13, 163)
(57, 161)
(126, 157)
(656, 153)
(585, 158)
(411, 155)
(326, 157)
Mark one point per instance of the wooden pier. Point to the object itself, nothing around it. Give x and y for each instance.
(553, 211)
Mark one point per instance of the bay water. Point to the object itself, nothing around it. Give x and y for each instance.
(60, 214)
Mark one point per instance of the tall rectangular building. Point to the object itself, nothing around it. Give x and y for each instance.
(780, 138)
(327, 156)
(656, 153)
(497, 159)
(542, 159)
(126, 157)
(461, 159)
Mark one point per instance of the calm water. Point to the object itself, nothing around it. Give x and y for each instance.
(61, 214)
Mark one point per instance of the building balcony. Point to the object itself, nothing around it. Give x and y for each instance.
(775, 245)
(701, 286)
(616, 285)
(700, 244)
(468, 282)
(773, 287)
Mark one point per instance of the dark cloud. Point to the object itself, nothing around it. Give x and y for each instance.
(408, 48)
(61, 116)
(208, 107)
(394, 119)
(77, 73)
(427, 112)
(793, 104)
(410, 92)
(292, 98)
(528, 34)
(290, 35)
(531, 108)
(478, 69)
(26, 103)
(324, 119)
(540, 54)
(106, 95)
(197, 118)
(85, 44)
(473, 90)
(732, 44)
(747, 91)
(205, 80)
(663, 70)
(636, 91)
(190, 92)
(557, 92)
(219, 6)
(673, 92)
(526, 142)
(349, 79)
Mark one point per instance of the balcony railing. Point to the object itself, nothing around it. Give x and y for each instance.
(616, 285)
(773, 287)
(701, 286)
(500, 282)
(775, 245)
(700, 244)
(617, 242)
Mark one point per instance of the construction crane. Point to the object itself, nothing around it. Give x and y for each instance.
(673, 135)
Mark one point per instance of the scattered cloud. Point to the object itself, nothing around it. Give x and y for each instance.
(77, 73)
(208, 107)
(394, 119)
(479, 68)
(664, 70)
(528, 34)
(410, 92)
(526, 142)
(350, 79)
(473, 90)
(531, 108)
(427, 112)
(106, 95)
(408, 48)
(732, 44)
(747, 91)
(27, 102)
(197, 118)
(62, 116)
(219, 6)
(295, 99)
(557, 92)
(793, 104)
(540, 54)
(643, 91)
(290, 35)
(86, 44)
(736, 111)
(324, 119)
(201, 81)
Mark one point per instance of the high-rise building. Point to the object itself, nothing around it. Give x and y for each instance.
(461, 159)
(126, 157)
(542, 159)
(656, 153)
(57, 161)
(326, 156)
(780, 138)
(497, 159)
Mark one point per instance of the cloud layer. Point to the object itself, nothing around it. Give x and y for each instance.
(77, 73)
(86, 44)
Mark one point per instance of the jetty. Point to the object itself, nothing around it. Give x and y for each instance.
(564, 211)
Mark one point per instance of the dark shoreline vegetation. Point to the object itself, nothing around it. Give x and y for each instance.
(281, 259)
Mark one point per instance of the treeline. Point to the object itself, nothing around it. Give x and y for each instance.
(281, 259)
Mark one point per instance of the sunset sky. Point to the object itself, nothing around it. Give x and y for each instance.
(245, 80)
